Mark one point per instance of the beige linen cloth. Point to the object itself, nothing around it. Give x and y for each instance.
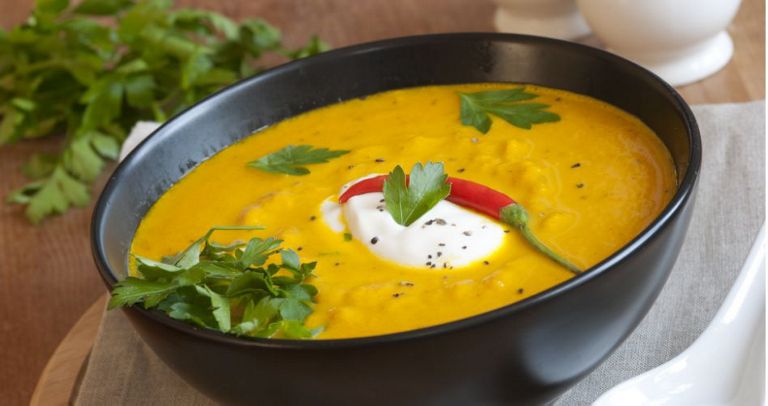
(729, 211)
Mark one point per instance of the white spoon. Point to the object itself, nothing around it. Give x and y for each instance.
(725, 365)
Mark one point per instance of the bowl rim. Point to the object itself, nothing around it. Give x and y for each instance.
(684, 192)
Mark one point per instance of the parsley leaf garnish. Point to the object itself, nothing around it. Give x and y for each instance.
(289, 159)
(87, 71)
(234, 288)
(505, 104)
(408, 199)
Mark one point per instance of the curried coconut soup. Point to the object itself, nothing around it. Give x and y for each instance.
(400, 210)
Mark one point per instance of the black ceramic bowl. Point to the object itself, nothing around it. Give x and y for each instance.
(525, 353)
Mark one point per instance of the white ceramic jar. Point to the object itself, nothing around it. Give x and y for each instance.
(680, 40)
(546, 18)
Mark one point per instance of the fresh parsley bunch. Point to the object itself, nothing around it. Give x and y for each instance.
(229, 288)
(92, 71)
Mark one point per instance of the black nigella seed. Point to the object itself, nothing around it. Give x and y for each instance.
(467, 233)
(379, 160)
(336, 264)
(429, 263)
(396, 294)
(506, 231)
(433, 265)
(441, 244)
(374, 240)
(312, 218)
(520, 291)
(429, 223)
(439, 254)
(579, 185)
(440, 222)
(461, 170)
(464, 247)
(299, 249)
(486, 263)
(381, 201)
(445, 265)
(576, 165)
(350, 166)
(429, 256)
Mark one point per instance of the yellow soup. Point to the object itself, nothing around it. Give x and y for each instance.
(590, 182)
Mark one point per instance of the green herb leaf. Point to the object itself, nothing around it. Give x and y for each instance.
(187, 304)
(191, 276)
(287, 329)
(294, 309)
(140, 91)
(289, 159)
(408, 199)
(82, 160)
(505, 104)
(106, 146)
(89, 70)
(219, 307)
(191, 256)
(12, 125)
(257, 318)
(250, 283)
(218, 269)
(226, 287)
(53, 195)
(132, 290)
(39, 166)
(315, 46)
(205, 22)
(290, 259)
(102, 7)
(51, 6)
(160, 266)
(257, 251)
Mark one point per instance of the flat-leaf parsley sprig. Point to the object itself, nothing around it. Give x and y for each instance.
(408, 198)
(233, 288)
(289, 160)
(505, 104)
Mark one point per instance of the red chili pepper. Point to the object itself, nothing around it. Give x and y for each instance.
(369, 185)
(463, 192)
(480, 198)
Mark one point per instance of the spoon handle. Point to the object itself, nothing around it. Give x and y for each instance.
(724, 366)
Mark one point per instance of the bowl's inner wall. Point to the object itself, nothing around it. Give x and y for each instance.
(329, 78)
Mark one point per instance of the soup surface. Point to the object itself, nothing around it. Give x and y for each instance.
(590, 182)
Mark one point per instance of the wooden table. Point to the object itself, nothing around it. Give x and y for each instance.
(47, 278)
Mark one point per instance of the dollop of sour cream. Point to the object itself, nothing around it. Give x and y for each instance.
(447, 236)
